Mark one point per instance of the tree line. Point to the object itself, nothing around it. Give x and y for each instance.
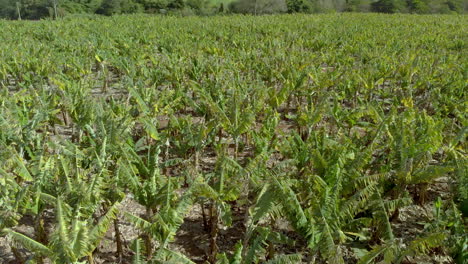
(38, 9)
(319, 6)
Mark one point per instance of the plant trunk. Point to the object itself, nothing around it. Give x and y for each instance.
(197, 161)
(147, 238)
(395, 216)
(41, 235)
(297, 103)
(196, 168)
(18, 257)
(247, 222)
(271, 251)
(213, 233)
(311, 258)
(205, 221)
(255, 9)
(421, 193)
(246, 140)
(118, 240)
(18, 10)
(55, 10)
(166, 171)
(271, 247)
(236, 148)
(395, 194)
(64, 116)
(90, 258)
(220, 135)
(105, 85)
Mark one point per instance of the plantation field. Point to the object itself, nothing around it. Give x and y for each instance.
(335, 138)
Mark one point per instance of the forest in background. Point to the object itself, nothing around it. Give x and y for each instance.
(39, 9)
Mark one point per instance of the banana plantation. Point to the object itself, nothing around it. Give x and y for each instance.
(332, 138)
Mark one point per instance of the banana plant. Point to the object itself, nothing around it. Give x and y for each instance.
(189, 139)
(147, 184)
(415, 137)
(219, 187)
(74, 237)
(162, 226)
(235, 115)
(238, 259)
(162, 255)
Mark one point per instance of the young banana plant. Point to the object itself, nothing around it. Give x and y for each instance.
(235, 115)
(162, 227)
(74, 237)
(149, 187)
(415, 138)
(219, 187)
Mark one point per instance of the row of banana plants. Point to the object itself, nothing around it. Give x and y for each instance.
(332, 124)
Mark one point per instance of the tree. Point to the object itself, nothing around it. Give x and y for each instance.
(153, 5)
(130, 7)
(197, 4)
(7, 9)
(54, 5)
(357, 6)
(456, 5)
(388, 6)
(259, 6)
(176, 4)
(110, 7)
(295, 6)
(418, 6)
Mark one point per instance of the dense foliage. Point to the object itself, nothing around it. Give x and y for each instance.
(319, 6)
(36, 9)
(329, 138)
